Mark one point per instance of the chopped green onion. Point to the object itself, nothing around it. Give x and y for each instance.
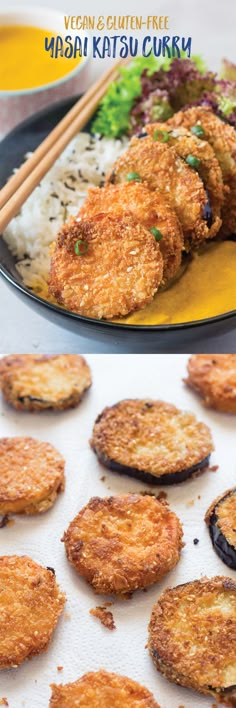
(198, 131)
(77, 247)
(133, 175)
(163, 134)
(193, 161)
(156, 233)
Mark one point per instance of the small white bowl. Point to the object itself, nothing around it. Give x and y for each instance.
(17, 105)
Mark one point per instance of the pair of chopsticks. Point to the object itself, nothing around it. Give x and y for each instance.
(23, 182)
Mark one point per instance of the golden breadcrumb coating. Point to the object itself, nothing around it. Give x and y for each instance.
(123, 543)
(120, 271)
(105, 616)
(224, 509)
(30, 605)
(187, 144)
(161, 169)
(214, 377)
(192, 635)
(56, 382)
(151, 436)
(150, 209)
(222, 138)
(101, 689)
(32, 475)
(11, 361)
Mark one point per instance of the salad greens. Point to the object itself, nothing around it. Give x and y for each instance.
(151, 89)
(113, 118)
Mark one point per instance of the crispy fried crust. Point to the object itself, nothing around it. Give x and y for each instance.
(57, 382)
(221, 520)
(103, 689)
(192, 635)
(123, 543)
(120, 272)
(148, 208)
(105, 616)
(12, 361)
(185, 144)
(32, 475)
(214, 377)
(161, 169)
(222, 138)
(152, 438)
(30, 605)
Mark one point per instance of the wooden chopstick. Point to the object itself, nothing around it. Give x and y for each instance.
(21, 185)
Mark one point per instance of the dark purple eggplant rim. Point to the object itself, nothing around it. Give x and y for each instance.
(146, 477)
(218, 691)
(225, 550)
(103, 324)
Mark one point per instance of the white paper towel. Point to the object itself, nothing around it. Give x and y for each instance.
(80, 643)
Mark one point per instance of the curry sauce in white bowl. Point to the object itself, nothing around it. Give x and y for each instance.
(31, 77)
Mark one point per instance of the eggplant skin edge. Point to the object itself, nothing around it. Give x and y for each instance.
(222, 693)
(32, 403)
(225, 551)
(147, 477)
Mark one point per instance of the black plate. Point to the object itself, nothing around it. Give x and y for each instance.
(26, 137)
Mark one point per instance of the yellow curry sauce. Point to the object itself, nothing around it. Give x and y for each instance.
(206, 289)
(24, 62)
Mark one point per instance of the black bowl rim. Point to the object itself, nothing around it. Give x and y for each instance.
(108, 324)
(72, 315)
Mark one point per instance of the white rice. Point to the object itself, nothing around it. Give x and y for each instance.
(61, 193)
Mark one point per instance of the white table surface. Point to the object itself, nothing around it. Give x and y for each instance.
(212, 27)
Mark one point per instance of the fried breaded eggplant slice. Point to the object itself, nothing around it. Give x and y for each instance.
(161, 168)
(32, 475)
(11, 361)
(213, 376)
(150, 209)
(119, 270)
(30, 605)
(200, 155)
(100, 688)
(222, 138)
(192, 636)
(221, 521)
(151, 440)
(56, 382)
(123, 543)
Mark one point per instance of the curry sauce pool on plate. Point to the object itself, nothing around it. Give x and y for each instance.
(192, 636)
(123, 543)
(193, 297)
(46, 382)
(30, 605)
(104, 689)
(151, 440)
(32, 475)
